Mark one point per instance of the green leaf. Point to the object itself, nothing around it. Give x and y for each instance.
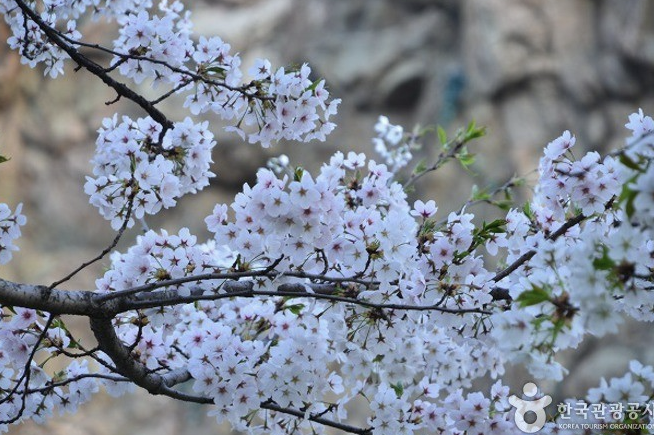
(466, 158)
(532, 297)
(628, 197)
(526, 209)
(479, 194)
(473, 132)
(4, 159)
(504, 205)
(295, 309)
(216, 70)
(398, 388)
(605, 262)
(314, 85)
(495, 227)
(442, 136)
(629, 163)
(428, 227)
(471, 126)
(297, 175)
(420, 167)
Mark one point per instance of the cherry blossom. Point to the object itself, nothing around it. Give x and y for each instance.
(318, 289)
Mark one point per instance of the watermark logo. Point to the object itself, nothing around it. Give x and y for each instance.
(534, 410)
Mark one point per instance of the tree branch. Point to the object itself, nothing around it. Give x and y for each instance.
(105, 251)
(245, 289)
(94, 68)
(40, 297)
(451, 151)
(90, 304)
(126, 365)
(235, 276)
(529, 254)
(162, 384)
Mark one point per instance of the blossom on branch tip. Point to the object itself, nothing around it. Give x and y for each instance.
(10, 223)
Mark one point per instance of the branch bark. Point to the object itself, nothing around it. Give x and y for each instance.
(40, 297)
(129, 367)
(97, 305)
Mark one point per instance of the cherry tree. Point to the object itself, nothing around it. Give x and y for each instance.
(316, 289)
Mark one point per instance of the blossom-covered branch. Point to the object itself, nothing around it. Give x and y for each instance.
(315, 288)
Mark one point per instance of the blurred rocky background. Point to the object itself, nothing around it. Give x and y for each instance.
(526, 69)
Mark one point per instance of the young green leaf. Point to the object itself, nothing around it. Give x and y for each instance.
(605, 262)
(295, 309)
(442, 135)
(420, 167)
(398, 388)
(625, 160)
(479, 194)
(532, 297)
(465, 158)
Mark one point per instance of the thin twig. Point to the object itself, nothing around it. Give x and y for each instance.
(105, 251)
(529, 254)
(443, 157)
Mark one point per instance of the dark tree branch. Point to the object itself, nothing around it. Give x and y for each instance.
(530, 254)
(65, 382)
(162, 384)
(127, 366)
(90, 304)
(271, 406)
(94, 68)
(235, 276)
(55, 301)
(245, 289)
(192, 76)
(105, 251)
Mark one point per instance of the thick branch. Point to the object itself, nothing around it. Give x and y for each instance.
(90, 304)
(40, 297)
(327, 287)
(127, 366)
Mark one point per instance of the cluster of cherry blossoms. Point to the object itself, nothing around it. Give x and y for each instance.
(587, 184)
(159, 46)
(137, 171)
(392, 145)
(351, 226)
(161, 257)
(37, 395)
(318, 291)
(10, 224)
(242, 352)
(625, 399)
(275, 105)
(165, 39)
